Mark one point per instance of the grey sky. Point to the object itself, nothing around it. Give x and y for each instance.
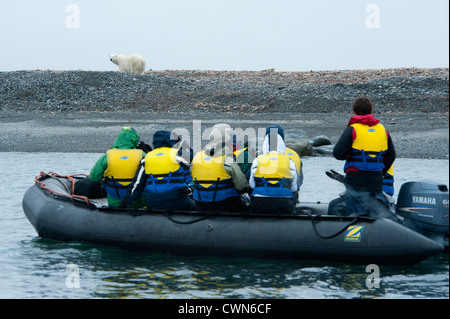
(288, 35)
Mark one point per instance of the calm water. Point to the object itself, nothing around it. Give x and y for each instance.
(32, 267)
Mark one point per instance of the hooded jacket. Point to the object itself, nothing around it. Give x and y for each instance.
(232, 180)
(127, 139)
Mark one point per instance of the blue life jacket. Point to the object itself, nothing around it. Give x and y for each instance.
(164, 173)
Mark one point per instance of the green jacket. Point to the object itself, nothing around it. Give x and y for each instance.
(127, 139)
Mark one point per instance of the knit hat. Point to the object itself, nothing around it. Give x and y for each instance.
(276, 129)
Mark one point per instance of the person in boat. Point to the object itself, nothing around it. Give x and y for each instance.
(118, 166)
(243, 154)
(369, 152)
(388, 188)
(164, 175)
(273, 178)
(388, 181)
(218, 181)
(293, 155)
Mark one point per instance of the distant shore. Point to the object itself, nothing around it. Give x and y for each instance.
(82, 111)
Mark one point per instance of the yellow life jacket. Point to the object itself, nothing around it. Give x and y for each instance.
(211, 180)
(368, 148)
(295, 158)
(122, 164)
(161, 162)
(244, 158)
(209, 168)
(273, 167)
(388, 181)
(273, 176)
(164, 173)
(238, 152)
(370, 138)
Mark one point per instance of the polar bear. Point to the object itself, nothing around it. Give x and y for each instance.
(129, 64)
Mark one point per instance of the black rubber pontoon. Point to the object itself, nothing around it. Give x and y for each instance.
(55, 214)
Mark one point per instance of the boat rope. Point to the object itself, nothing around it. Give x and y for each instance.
(62, 183)
(70, 193)
(206, 216)
(313, 218)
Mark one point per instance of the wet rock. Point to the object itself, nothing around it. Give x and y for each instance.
(299, 142)
(320, 141)
(324, 150)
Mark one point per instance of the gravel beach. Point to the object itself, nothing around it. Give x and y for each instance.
(83, 111)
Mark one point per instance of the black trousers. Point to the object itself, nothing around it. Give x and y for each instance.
(272, 205)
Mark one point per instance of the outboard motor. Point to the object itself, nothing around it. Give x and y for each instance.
(423, 207)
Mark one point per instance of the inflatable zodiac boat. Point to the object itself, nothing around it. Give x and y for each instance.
(57, 214)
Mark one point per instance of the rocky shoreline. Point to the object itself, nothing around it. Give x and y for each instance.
(403, 90)
(82, 111)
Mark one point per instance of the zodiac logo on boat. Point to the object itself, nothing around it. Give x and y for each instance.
(354, 233)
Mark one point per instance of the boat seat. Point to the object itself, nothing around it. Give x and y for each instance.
(100, 202)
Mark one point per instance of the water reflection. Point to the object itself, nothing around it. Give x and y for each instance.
(113, 273)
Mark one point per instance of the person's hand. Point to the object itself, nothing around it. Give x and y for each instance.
(144, 147)
(336, 176)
